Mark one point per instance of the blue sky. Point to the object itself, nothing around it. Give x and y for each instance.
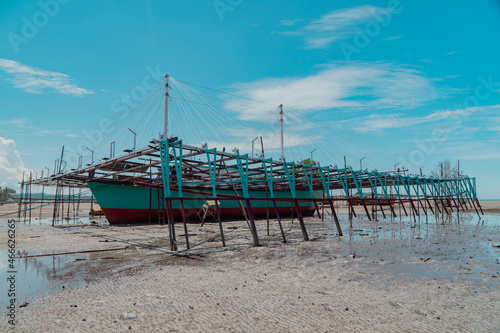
(392, 81)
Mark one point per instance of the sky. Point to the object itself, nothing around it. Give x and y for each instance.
(405, 83)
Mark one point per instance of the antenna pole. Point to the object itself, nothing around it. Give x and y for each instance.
(262, 146)
(165, 120)
(135, 134)
(253, 141)
(281, 127)
(92, 162)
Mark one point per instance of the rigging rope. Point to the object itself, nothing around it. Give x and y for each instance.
(222, 119)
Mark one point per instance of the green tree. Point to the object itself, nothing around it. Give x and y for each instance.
(308, 161)
(314, 163)
(6, 194)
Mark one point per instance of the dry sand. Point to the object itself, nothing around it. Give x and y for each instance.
(381, 277)
(491, 207)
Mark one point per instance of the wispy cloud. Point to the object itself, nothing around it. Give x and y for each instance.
(336, 25)
(486, 155)
(392, 38)
(378, 122)
(272, 142)
(66, 133)
(20, 122)
(34, 80)
(354, 86)
(473, 149)
(289, 22)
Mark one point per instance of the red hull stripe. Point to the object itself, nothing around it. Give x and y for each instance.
(140, 216)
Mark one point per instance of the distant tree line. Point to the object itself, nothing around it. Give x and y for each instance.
(446, 170)
(6, 194)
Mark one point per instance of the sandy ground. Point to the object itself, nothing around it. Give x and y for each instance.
(10, 210)
(380, 277)
(490, 207)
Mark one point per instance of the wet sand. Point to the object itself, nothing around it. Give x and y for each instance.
(381, 276)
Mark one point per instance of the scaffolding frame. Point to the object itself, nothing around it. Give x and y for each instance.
(178, 169)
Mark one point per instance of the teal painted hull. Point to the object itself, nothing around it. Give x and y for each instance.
(126, 204)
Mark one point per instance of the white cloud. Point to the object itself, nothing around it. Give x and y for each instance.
(474, 149)
(11, 165)
(289, 22)
(392, 38)
(66, 133)
(34, 80)
(337, 25)
(377, 122)
(272, 141)
(353, 86)
(495, 155)
(21, 122)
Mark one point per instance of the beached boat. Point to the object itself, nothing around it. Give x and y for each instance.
(132, 204)
(129, 204)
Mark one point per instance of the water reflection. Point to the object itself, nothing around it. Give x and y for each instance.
(39, 275)
(404, 227)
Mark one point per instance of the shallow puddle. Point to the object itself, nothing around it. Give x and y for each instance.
(83, 219)
(36, 276)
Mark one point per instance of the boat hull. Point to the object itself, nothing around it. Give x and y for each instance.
(127, 204)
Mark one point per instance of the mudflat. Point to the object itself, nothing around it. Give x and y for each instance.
(381, 276)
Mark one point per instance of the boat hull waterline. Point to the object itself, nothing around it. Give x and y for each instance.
(129, 204)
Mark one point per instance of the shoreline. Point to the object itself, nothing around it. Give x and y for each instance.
(488, 207)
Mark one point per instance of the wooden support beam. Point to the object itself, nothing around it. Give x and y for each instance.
(220, 223)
